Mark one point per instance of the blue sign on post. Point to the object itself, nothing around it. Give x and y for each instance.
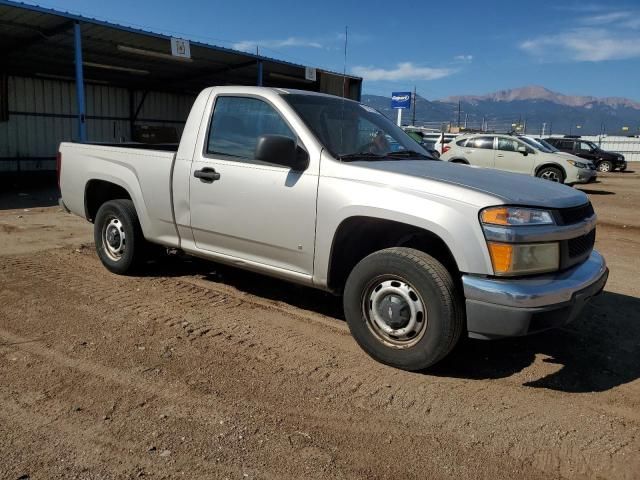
(401, 100)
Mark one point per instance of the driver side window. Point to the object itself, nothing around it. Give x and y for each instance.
(585, 147)
(238, 122)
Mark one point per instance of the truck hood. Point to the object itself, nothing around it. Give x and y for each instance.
(511, 188)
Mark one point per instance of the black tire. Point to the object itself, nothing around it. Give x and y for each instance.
(120, 218)
(434, 288)
(605, 166)
(553, 174)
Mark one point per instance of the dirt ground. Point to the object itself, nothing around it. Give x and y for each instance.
(200, 371)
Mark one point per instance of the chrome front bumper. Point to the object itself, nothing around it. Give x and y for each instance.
(499, 307)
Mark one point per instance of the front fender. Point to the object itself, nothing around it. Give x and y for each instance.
(454, 221)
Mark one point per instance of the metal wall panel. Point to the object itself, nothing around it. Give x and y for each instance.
(42, 114)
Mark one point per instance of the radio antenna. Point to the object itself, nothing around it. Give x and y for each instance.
(344, 69)
(344, 88)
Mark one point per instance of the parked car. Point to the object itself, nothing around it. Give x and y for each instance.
(541, 144)
(604, 161)
(515, 154)
(427, 144)
(441, 141)
(305, 187)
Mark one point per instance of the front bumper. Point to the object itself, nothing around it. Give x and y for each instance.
(502, 307)
(585, 175)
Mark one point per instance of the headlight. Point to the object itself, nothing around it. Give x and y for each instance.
(522, 259)
(512, 216)
(577, 164)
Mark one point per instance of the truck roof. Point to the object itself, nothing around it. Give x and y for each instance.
(248, 90)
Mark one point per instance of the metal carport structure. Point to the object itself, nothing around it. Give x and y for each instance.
(68, 77)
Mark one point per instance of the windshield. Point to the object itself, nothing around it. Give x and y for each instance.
(550, 147)
(535, 144)
(350, 130)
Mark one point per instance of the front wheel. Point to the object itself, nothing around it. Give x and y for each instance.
(552, 174)
(118, 236)
(403, 308)
(605, 166)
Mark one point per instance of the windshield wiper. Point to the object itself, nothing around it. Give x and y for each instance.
(406, 153)
(361, 155)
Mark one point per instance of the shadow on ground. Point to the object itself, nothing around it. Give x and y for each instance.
(28, 190)
(252, 283)
(596, 192)
(598, 351)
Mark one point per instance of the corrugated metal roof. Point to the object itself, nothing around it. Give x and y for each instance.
(36, 40)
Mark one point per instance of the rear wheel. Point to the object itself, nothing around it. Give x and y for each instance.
(403, 308)
(552, 174)
(605, 166)
(118, 236)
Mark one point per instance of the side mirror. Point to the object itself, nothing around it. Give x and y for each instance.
(281, 150)
(523, 150)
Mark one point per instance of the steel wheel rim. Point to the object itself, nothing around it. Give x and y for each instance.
(551, 175)
(604, 167)
(114, 239)
(394, 311)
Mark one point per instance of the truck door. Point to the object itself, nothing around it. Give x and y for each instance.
(244, 208)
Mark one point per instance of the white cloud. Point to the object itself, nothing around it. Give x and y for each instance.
(584, 45)
(463, 58)
(250, 45)
(403, 71)
(618, 19)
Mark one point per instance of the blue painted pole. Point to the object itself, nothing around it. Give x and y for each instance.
(82, 117)
(259, 73)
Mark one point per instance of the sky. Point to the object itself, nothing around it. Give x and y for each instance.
(441, 48)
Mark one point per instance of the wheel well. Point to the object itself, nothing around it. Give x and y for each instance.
(459, 160)
(98, 192)
(554, 165)
(358, 237)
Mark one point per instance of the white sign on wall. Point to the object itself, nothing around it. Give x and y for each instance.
(180, 48)
(310, 73)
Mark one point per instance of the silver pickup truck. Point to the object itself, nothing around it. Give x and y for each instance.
(329, 193)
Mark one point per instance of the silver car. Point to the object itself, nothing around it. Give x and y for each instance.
(519, 155)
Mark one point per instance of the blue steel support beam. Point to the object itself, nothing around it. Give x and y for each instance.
(259, 73)
(82, 114)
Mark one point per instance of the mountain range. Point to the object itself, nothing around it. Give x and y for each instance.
(530, 105)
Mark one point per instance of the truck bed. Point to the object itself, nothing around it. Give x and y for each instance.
(142, 170)
(161, 147)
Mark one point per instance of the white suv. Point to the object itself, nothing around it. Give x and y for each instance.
(519, 155)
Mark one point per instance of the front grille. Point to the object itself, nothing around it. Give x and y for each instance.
(579, 246)
(573, 215)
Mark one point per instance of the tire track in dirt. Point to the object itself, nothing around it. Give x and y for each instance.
(334, 369)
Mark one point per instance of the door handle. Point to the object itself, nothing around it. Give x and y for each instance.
(207, 175)
(499, 155)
